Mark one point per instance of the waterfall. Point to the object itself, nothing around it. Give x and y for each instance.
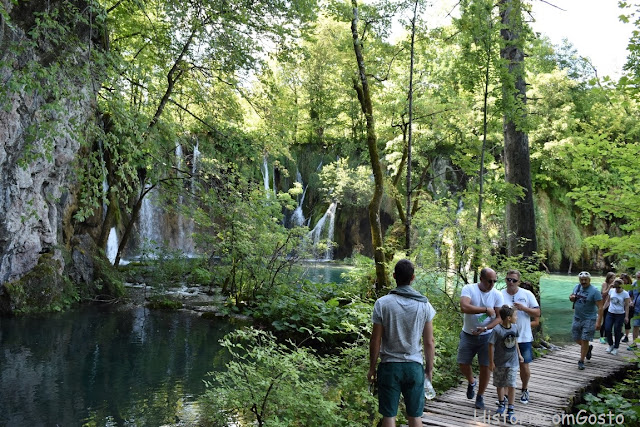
(188, 244)
(180, 241)
(298, 216)
(327, 222)
(273, 179)
(112, 245)
(112, 242)
(150, 220)
(194, 163)
(265, 175)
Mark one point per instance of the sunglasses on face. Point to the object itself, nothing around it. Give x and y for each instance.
(491, 281)
(511, 280)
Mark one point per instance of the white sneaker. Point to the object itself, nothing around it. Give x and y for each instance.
(609, 348)
(614, 351)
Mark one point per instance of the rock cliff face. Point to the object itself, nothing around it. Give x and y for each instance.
(46, 97)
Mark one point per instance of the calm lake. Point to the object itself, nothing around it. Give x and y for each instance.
(98, 366)
(101, 366)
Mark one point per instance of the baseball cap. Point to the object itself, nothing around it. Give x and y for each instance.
(584, 274)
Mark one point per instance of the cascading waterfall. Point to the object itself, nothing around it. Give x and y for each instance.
(190, 227)
(298, 216)
(149, 221)
(180, 243)
(112, 241)
(265, 175)
(112, 245)
(327, 222)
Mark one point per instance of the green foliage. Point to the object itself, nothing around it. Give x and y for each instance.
(621, 400)
(351, 186)
(270, 384)
(107, 282)
(328, 313)
(202, 276)
(160, 302)
(41, 290)
(255, 250)
(167, 267)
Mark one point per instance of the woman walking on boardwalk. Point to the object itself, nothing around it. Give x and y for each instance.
(604, 290)
(618, 315)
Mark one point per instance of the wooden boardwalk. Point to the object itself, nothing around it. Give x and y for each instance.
(554, 385)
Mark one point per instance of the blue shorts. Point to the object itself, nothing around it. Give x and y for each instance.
(406, 378)
(526, 351)
(583, 330)
(635, 322)
(470, 345)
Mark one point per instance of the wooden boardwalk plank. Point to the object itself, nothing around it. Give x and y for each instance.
(555, 382)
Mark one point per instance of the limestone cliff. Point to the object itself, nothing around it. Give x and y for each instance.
(47, 95)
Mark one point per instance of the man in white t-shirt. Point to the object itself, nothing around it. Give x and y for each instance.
(527, 305)
(400, 320)
(480, 304)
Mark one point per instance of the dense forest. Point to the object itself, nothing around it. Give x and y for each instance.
(454, 143)
(252, 123)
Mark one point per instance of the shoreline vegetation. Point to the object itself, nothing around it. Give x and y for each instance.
(324, 324)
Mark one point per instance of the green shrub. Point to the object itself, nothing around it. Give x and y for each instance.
(163, 303)
(270, 384)
(327, 312)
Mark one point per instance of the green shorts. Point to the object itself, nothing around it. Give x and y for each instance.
(396, 378)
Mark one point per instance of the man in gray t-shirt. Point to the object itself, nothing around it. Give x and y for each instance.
(400, 320)
(587, 316)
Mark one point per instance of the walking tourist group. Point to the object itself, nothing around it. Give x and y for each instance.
(497, 329)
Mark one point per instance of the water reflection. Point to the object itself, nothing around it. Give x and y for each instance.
(105, 367)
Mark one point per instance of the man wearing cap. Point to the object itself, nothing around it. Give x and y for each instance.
(587, 315)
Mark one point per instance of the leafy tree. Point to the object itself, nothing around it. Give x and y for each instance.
(162, 56)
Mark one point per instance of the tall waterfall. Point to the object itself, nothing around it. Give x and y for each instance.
(265, 175)
(323, 232)
(298, 216)
(150, 219)
(180, 243)
(112, 245)
(112, 241)
(189, 245)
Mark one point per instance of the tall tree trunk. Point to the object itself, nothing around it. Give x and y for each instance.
(407, 225)
(364, 96)
(520, 214)
(477, 255)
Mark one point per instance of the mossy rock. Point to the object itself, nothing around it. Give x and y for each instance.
(43, 289)
(91, 272)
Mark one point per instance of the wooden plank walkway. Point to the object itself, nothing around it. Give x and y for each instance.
(554, 385)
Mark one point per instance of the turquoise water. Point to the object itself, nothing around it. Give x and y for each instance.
(557, 313)
(319, 272)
